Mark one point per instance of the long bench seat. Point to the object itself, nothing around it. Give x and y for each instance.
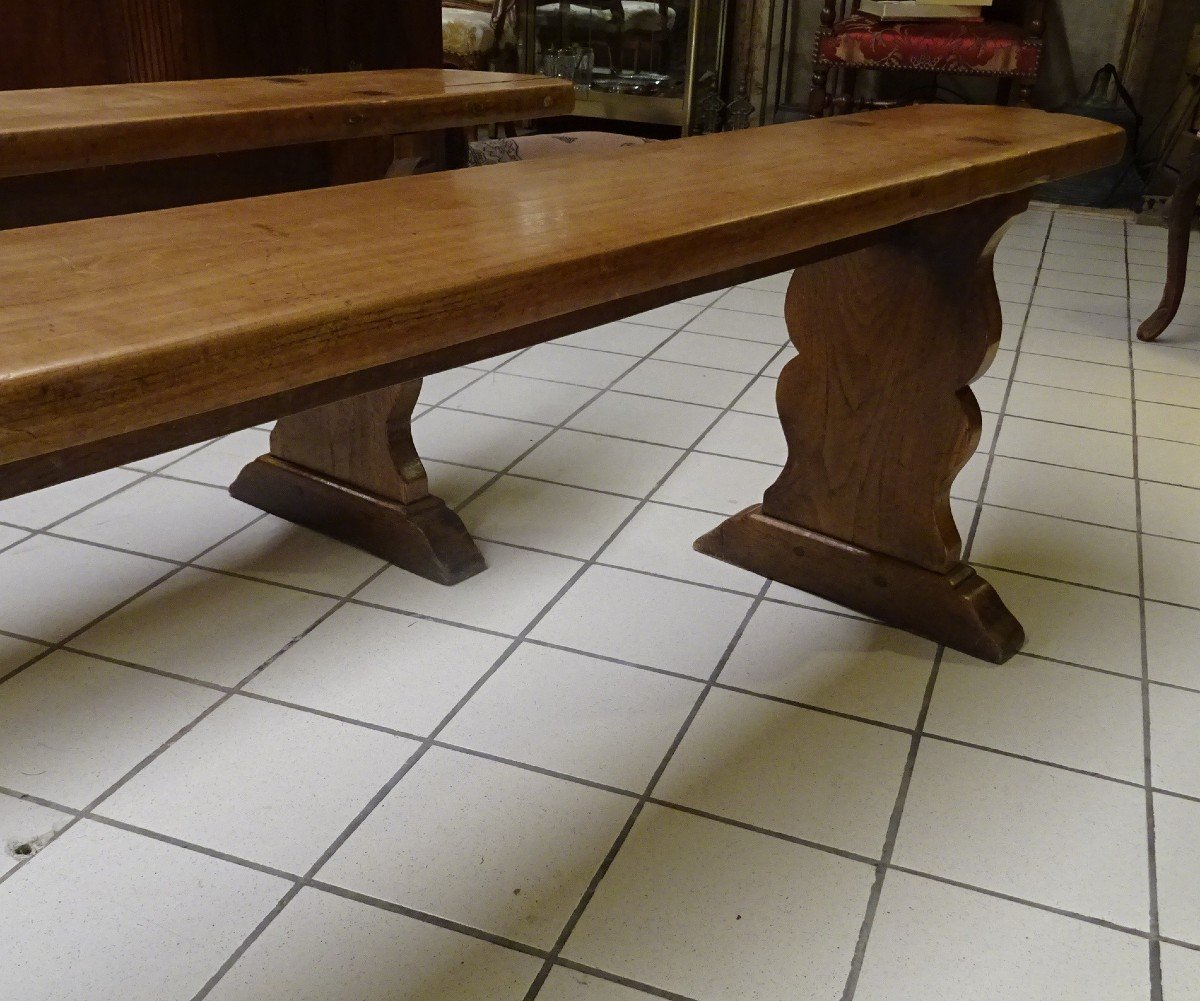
(124, 337)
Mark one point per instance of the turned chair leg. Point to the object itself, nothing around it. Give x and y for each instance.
(351, 471)
(1181, 213)
(818, 97)
(879, 421)
(1025, 93)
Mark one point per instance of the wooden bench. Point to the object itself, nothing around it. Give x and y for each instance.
(126, 337)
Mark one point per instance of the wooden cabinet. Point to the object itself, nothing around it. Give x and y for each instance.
(63, 43)
(57, 43)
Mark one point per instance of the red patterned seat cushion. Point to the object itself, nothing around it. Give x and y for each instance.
(988, 47)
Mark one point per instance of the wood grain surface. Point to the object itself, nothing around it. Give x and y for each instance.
(114, 326)
(67, 128)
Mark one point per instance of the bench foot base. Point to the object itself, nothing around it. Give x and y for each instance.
(958, 608)
(425, 536)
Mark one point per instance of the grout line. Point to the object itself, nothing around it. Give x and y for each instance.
(893, 832)
(635, 814)
(1155, 950)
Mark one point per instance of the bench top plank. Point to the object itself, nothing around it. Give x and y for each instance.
(117, 325)
(66, 128)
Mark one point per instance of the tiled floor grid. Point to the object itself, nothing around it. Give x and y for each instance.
(241, 762)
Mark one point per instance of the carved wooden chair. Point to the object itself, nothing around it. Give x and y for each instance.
(1006, 45)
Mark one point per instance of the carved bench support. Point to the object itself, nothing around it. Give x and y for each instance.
(351, 471)
(879, 421)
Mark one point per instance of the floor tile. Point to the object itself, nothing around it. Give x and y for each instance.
(522, 399)
(785, 357)
(500, 848)
(645, 418)
(1076, 322)
(990, 393)
(1175, 752)
(686, 383)
(1083, 448)
(747, 436)
(1159, 420)
(705, 298)
(1096, 498)
(1072, 248)
(25, 829)
(71, 726)
(16, 653)
(277, 551)
(1181, 973)
(44, 507)
(1087, 302)
(1158, 387)
(1027, 830)
(933, 942)
(1171, 570)
(577, 715)
(1077, 624)
(1075, 264)
(1066, 373)
(1169, 462)
(559, 363)
(162, 518)
(546, 516)
(659, 540)
(674, 315)
(1181, 358)
(1173, 511)
(326, 948)
(566, 985)
(506, 597)
(170, 627)
(1066, 406)
(717, 483)
(833, 662)
(1008, 254)
(748, 300)
(1074, 282)
(381, 667)
(759, 398)
(646, 620)
(436, 388)
(1052, 712)
(1025, 275)
(455, 484)
(1063, 550)
(620, 338)
(711, 911)
(220, 463)
(1176, 834)
(262, 782)
(769, 329)
(718, 352)
(632, 468)
(1172, 639)
(473, 440)
(108, 914)
(1080, 347)
(742, 752)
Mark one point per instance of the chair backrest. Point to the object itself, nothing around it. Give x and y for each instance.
(1029, 13)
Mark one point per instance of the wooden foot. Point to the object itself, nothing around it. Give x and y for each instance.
(879, 421)
(1182, 211)
(350, 470)
(958, 608)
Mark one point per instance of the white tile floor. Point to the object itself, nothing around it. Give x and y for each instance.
(239, 761)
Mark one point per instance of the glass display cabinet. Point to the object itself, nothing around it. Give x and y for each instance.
(652, 61)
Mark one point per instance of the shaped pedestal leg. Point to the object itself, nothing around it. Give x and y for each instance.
(350, 470)
(879, 421)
